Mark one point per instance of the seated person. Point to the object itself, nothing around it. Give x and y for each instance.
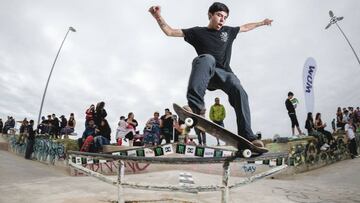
(70, 127)
(123, 131)
(132, 124)
(86, 142)
(152, 130)
(102, 135)
(320, 127)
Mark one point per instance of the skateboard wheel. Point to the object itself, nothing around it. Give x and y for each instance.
(189, 122)
(246, 153)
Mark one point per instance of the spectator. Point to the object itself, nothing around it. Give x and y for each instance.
(63, 123)
(42, 126)
(55, 123)
(102, 135)
(217, 115)
(123, 130)
(100, 113)
(340, 119)
(132, 123)
(201, 135)
(22, 131)
(30, 140)
(49, 125)
(320, 127)
(89, 114)
(179, 126)
(346, 117)
(351, 112)
(357, 117)
(166, 126)
(309, 123)
(70, 127)
(1, 125)
(10, 123)
(292, 114)
(152, 131)
(350, 132)
(333, 125)
(86, 142)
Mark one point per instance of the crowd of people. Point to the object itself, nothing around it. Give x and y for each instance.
(347, 121)
(167, 128)
(9, 124)
(158, 129)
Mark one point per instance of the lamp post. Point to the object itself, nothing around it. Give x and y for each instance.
(334, 20)
(52, 68)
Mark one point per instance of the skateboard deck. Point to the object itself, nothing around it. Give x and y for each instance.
(218, 131)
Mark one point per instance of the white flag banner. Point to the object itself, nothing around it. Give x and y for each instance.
(308, 82)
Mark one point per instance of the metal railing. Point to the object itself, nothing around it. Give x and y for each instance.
(224, 187)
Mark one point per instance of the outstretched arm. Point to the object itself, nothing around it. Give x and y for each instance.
(251, 26)
(155, 12)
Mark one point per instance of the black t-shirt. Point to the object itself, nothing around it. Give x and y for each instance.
(167, 122)
(31, 132)
(289, 106)
(217, 43)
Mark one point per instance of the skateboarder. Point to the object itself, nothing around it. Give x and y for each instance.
(211, 68)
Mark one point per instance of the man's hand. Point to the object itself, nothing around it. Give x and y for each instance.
(155, 11)
(267, 21)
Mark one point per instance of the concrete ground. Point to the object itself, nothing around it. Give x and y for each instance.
(29, 181)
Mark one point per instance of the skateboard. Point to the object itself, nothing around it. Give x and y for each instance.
(245, 147)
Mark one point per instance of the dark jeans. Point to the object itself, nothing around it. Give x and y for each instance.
(100, 141)
(168, 135)
(29, 148)
(294, 120)
(205, 75)
(353, 148)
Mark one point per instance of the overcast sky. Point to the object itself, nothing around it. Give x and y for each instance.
(120, 56)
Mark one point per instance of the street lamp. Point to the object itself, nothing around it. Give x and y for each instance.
(52, 68)
(334, 20)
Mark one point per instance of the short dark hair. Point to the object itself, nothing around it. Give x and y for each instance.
(290, 94)
(217, 6)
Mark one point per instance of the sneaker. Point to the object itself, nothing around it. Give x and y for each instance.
(258, 143)
(322, 148)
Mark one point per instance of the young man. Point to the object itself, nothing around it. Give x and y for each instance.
(350, 129)
(211, 69)
(31, 140)
(217, 114)
(292, 114)
(166, 126)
